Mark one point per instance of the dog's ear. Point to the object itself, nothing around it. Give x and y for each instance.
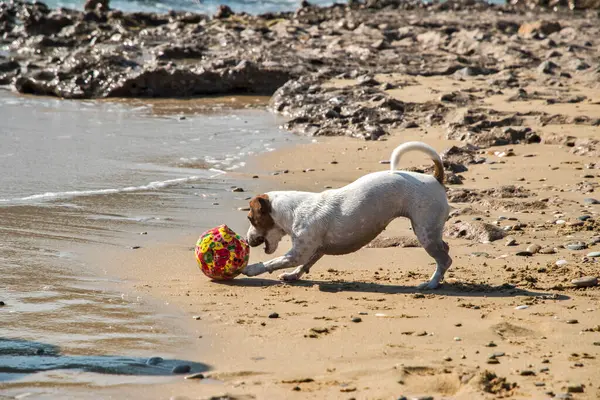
(260, 209)
(261, 204)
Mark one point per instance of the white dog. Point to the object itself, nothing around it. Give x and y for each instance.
(341, 221)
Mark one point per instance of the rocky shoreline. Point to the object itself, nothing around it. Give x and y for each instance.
(372, 48)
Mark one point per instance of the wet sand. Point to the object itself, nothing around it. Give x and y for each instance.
(505, 323)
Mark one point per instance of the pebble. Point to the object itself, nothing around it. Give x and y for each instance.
(576, 246)
(274, 315)
(589, 200)
(575, 389)
(539, 384)
(491, 344)
(572, 321)
(447, 358)
(40, 351)
(564, 396)
(357, 319)
(510, 241)
(498, 354)
(527, 372)
(238, 190)
(135, 247)
(547, 250)
(198, 375)
(493, 361)
(524, 254)
(586, 281)
(523, 307)
(534, 248)
(181, 369)
(154, 360)
(2, 303)
(424, 398)
(457, 339)
(560, 222)
(560, 263)
(594, 254)
(584, 217)
(197, 317)
(545, 369)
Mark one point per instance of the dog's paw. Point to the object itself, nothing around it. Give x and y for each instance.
(290, 276)
(254, 269)
(430, 285)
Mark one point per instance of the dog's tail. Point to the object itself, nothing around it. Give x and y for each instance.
(438, 172)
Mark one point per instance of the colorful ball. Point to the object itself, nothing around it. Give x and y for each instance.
(221, 253)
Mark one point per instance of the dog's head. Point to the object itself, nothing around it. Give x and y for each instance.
(263, 228)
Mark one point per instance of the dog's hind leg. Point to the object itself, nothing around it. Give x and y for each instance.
(301, 270)
(430, 238)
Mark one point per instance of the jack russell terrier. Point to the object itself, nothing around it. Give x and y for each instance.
(341, 221)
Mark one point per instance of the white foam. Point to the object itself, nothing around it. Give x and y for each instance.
(48, 196)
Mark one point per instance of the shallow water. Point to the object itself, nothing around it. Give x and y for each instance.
(99, 173)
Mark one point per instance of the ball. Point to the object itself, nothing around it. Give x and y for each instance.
(221, 253)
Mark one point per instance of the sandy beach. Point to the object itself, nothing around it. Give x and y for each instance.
(509, 97)
(506, 323)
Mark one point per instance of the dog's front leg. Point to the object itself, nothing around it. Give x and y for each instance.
(301, 270)
(293, 258)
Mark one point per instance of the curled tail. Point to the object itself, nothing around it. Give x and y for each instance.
(438, 172)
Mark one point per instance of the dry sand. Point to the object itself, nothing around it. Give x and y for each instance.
(405, 342)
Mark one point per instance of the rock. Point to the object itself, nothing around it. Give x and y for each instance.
(96, 5)
(534, 248)
(576, 246)
(493, 361)
(586, 281)
(575, 389)
(572, 321)
(154, 360)
(274, 315)
(548, 250)
(590, 201)
(357, 319)
(447, 358)
(524, 254)
(478, 231)
(545, 28)
(593, 254)
(223, 12)
(237, 190)
(511, 241)
(527, 372)
(181, 369)
(560, 263)
(547, 67)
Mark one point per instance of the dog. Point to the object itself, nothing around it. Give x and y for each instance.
(341, 221)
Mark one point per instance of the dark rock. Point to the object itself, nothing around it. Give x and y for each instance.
(223, 11)
(274, 315)
(547, 67)
(154, 360)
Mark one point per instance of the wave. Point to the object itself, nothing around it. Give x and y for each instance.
(49, 196)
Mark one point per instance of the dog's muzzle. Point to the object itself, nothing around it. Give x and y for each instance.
(256, 241)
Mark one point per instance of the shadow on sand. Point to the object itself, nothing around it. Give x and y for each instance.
(21, 357)
(458, 289)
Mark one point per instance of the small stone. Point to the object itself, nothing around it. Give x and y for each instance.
(586, 281)
(498, 354)
(547, 250)
(491, 344)
(575, 389)
(40, 351)
(237, 190)
(458, 324)
(560, 263)
(181, 369)
(296, 388)
(447, 358)
(547, 67)
(572, 321)
(545, 369)
(584, 217)
(590, 201)
(576, 246)
(596, 343)
(357, 319)
(493, 361)
(534, 248)
(424, 398)
(563, 396)
(511, 241)
(421, 333)
(198, 375)
(154, 360)
(457, 339)
(135, 247)
(594, 254)
(197, 317)
(2, 303)
(523, 307)
(274, 315)
(539, 384)
(524, 254)
(527, 372)
(560, 222)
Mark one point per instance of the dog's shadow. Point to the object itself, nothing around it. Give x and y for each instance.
(458, 289)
